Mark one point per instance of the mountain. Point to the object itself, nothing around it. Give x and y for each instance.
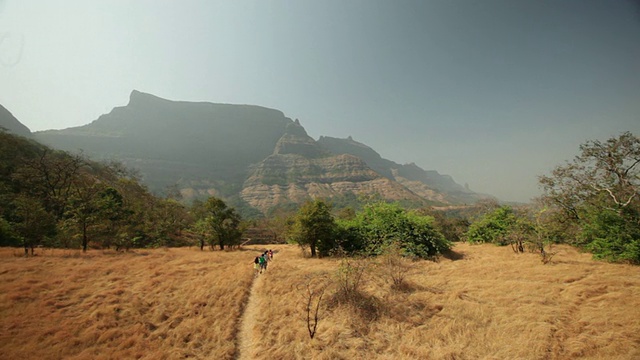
(9, 123)
(428, 184)
(204, 147)
(253, 156)
(300, 168)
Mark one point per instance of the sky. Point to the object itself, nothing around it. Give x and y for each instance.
(491, 92)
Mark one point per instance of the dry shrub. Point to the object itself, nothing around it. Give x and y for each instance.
(395, 267)
(349, 279)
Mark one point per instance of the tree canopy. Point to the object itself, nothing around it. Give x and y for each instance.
(599, 193)
(315, 227)
(53, 198)
(218, 223)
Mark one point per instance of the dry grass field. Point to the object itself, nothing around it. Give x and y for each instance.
(159, 304)
(485, 302)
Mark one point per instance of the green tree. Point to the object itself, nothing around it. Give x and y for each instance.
(492, 227)
(221, 223)
(32, 222)
(83, 210)
(315, 227)
(598, 192)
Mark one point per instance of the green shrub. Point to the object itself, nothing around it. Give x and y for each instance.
(493, 227)
(379, 224)
(609, 236)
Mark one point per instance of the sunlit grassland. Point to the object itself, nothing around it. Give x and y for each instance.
(483, 302)
(489, 303)
(151, 304)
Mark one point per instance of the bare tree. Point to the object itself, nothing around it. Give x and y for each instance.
(313, 291)
(605, 174)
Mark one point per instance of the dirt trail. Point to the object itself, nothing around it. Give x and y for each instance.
(247, 323)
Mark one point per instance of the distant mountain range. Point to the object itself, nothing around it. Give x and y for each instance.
(253, 156)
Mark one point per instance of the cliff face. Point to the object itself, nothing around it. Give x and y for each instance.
(296, 141)
(300, 169)
(250, 155)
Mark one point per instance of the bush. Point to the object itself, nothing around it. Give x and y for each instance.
(493, 227)
(380, 224)
(610, 237)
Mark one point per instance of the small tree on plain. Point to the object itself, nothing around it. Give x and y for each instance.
(315, 227)
(222, 223)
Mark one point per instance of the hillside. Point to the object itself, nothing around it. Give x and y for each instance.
(204, 147)
(252, 156)
(482, 302)
(9, 123)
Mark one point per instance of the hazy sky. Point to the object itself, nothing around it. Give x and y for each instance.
(493, 93)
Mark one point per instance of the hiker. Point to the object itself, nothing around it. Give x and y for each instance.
(256, 264)
(270, 254)
(266, 259)
(263, 263)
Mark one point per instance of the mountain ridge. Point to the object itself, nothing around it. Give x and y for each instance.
(253, 155)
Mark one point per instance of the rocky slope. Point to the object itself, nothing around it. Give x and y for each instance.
(300, 169)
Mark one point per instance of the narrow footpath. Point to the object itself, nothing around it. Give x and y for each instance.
(247, 323)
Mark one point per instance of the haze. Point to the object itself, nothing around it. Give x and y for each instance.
(493, 93)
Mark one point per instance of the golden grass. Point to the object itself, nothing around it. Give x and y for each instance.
(490, 304)
(159, 304)
(179, 303)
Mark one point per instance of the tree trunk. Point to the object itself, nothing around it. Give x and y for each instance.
(85, 241)
(313, 249)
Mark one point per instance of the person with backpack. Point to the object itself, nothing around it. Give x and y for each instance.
(263, 263)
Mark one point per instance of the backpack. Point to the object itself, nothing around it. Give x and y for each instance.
(257, 260)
